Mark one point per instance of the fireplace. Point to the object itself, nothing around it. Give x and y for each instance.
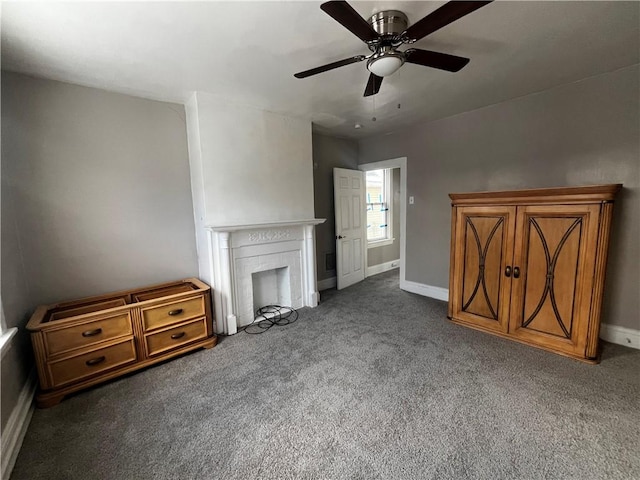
(271, 287)
(261, 264)
(266, 279)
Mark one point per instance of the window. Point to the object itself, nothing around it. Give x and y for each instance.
(379, 221)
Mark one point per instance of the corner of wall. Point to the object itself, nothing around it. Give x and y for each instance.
(196, 170)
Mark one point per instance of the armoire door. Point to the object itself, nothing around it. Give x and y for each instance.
(483, 251)
(553, 275)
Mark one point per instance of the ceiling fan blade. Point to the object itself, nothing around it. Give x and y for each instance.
(330, 66)
(443, 61)
(373, 85)
(449, 12)
(345, 15)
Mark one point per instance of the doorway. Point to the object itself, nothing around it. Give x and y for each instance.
(386, 215)
(354, 215)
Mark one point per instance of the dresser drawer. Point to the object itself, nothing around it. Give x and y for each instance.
(162, 292)
(88, 364)
(171, 313)
(76, 336)
(175, 337)
(66, 312)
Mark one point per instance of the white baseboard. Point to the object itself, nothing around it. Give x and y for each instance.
(438, 293)
(382, 267)
(327, 283)
(620, 335)
(16, 428)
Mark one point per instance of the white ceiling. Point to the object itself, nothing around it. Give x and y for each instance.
(248, 52)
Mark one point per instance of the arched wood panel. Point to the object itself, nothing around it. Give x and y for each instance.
(482, 253)
(551, 298)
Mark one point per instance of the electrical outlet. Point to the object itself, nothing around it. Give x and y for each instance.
(411, 200)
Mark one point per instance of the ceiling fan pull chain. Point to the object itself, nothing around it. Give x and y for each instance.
(373, 99)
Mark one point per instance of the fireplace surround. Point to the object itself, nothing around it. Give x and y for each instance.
(272, 262)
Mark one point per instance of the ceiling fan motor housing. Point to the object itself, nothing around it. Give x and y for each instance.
(389, 22)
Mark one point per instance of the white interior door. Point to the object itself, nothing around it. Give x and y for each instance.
(351, 230)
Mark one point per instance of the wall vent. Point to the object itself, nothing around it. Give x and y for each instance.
(329, 261)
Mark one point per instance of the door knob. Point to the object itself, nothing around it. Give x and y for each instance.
(507, 271)
(516, 272)
(339, 237)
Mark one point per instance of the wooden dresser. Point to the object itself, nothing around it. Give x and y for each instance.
(85, 342)
(529, 265)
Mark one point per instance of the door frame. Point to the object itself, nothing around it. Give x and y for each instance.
(401, 163)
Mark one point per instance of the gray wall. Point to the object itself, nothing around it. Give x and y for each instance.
(328, 153)
(389, 253)
(96, 197)
(256, 165)
(582, 133)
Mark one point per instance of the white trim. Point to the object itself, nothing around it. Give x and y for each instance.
(438, 293)
(16, 428)
(400, 163)
(254, 226)
(620, 335)
(380, 243)
(327, 283)
(387, 186)
(382, 267)
(5, 340)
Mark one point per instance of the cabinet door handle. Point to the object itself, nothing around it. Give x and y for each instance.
(516, 272)
(92, 333)
(176, 312)
(176, 336)
(95, 361)
(507, 271)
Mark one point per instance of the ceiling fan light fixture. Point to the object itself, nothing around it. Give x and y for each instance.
(386, 63)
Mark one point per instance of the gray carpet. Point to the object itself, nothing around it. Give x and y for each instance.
(374, 383)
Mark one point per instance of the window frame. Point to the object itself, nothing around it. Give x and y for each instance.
(6, 334)
(387, 188)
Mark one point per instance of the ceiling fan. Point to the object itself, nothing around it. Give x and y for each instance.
(386, 31)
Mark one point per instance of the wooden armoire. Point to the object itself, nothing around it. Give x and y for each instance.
(529, 265)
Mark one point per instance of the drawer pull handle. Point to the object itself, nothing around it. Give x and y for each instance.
(176, 336)
(176, 312)
(92, 333)
(95, 361)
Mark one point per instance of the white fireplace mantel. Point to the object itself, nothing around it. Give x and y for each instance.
(240, 249)
(258, 226)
